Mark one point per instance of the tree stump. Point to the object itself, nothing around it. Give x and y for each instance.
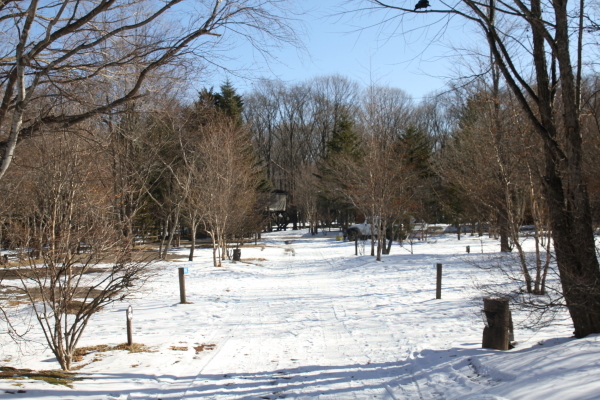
(498, 331)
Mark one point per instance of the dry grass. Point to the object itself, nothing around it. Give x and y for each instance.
(179, 348)
(200, 348)
(102, 348)
(75, 305)
(51, 377)
(78, 367)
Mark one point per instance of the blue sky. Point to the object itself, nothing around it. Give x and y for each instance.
(394, 54)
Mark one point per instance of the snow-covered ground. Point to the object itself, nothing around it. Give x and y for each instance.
(302, 317)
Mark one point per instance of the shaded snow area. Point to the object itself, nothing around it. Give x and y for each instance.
(302, 317)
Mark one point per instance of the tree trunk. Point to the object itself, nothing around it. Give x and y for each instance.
(161, 245)
(173, 225)
(193, 228)
(575, 250)
(504, 236)
(566, 192)
(372, 243)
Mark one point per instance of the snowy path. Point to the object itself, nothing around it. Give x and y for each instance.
(291, 339)
(309, 331)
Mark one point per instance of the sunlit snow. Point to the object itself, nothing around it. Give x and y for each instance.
(302, 317)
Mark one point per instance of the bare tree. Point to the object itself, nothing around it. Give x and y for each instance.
(60, 60)
(226, 179)
(291, 124)
(306, 196)
(73, 261)
(493, 159)
(379, 184)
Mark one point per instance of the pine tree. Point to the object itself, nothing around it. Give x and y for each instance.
(416, 148)
(344, 142)
(229, 102)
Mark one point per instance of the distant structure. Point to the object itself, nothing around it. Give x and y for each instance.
(422, 4)
(278, 213)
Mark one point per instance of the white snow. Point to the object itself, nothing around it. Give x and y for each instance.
(310, 320)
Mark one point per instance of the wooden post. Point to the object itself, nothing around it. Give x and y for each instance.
(129, 326)
(356, 246)
(182, 285)
(438, 286)
(498, 330)
(468, 249)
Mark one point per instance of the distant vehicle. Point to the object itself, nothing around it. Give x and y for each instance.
(363, 230)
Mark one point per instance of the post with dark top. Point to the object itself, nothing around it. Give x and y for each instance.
(468, 249)
(356, 246)
(182, 285)
(129, 326)
(438, 285)
(498, 331)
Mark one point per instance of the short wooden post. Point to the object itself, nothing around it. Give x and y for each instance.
(468, 249)
(438, 283)
(182, 285)
(129, 326)
(356, 246)
(497, 332)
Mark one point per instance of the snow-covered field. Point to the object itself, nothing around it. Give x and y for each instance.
(302, 317)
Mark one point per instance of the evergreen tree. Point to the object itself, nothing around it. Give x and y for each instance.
(229, 102)
(344, 142)
(416, 148)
